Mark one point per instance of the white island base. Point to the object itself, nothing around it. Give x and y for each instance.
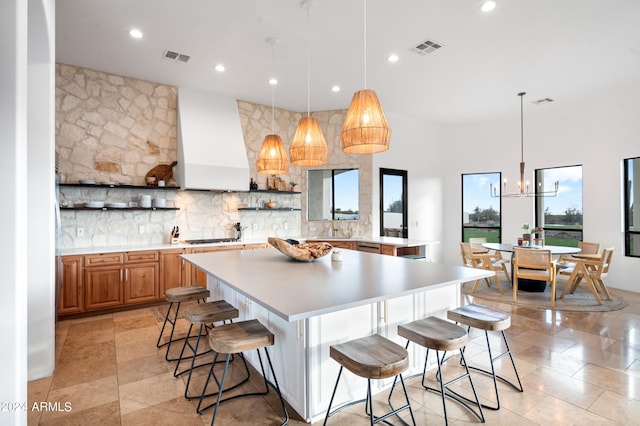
(311, 306)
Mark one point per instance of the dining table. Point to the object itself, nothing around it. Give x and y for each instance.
(530, 285)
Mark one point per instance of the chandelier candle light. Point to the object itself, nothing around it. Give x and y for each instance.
(523, 186)
(308, 147)
(272, 159)
(365, 129)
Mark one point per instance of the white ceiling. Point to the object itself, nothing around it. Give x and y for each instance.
(561, 49)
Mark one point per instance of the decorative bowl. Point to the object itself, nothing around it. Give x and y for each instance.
(304, 252)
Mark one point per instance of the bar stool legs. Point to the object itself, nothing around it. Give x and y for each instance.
(236, 338)
(175, 296)
(488, 319)
(372, 357)
(437, 334)
(202, 315)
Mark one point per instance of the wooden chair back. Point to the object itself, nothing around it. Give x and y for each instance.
(467, 256)
(589, 248)
(532, 259)
(476, 244)
(534, 264)
(607, 254)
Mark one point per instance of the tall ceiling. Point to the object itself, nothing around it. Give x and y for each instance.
(560, 49)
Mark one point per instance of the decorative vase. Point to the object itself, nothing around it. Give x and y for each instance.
(526, 237)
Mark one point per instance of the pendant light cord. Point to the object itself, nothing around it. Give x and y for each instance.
(273, 102)
(309, 61)
(364, 36)
(521, 94)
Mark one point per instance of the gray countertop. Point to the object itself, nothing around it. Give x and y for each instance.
(297, 290)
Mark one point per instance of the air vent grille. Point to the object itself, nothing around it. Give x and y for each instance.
(175, 56)
(426, 47)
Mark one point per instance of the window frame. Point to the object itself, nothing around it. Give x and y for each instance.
(463, 227)
(539, 207)
(628, 233)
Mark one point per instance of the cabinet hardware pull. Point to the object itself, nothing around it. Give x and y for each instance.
(298, 330)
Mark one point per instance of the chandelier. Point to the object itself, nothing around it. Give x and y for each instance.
(523, 186)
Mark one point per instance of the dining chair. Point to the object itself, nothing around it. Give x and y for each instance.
(499, 261)
(534, 264)
(592, 270)
(483, 261)
(567, 261)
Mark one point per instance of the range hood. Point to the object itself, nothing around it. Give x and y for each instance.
(211, 150)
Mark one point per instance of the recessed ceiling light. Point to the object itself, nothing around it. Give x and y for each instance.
(220, 68)
(393, 58)
(273, 81)
(335, 89)
(135, 33)
(488, 6)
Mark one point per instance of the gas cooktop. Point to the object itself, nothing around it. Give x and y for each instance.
(211, 241)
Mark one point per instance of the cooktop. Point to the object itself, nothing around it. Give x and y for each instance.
(211, 240)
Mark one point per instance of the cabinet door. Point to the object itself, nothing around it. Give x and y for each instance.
(172, 270)
(103, 287)
(141, 283)
(70, 297)
(388, 250)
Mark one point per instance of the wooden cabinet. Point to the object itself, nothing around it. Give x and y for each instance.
(388, 250)
(345, 244)
(173, 270)
(70, 297)
(103, 287)
(141, 277)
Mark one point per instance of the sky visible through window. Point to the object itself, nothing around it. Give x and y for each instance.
(477, 192)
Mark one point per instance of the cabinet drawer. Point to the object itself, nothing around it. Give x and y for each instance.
(141, 256)
(102, 259)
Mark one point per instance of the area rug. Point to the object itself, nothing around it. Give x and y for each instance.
(581, 301)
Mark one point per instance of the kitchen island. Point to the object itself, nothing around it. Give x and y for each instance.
(311, 306)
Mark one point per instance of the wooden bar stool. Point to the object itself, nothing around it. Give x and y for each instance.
(371, 357)
(236, 338)
(175, 296)
(441, 335)
(202, 314)
(488, 319)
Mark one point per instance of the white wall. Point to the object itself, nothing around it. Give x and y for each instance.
(40, 191)
(13, 134)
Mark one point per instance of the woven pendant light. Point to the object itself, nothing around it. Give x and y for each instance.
(272, 159)
(308, 147)
(365, 129)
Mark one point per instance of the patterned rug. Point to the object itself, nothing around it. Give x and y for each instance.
(582, 300)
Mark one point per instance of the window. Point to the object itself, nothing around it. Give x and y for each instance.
(333, 195)
(480, 212)
(560, 216)
(393, 203)
(631, 214)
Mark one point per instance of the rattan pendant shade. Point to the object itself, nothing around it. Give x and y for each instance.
(308, 147)
(272, 159)
(365, 129)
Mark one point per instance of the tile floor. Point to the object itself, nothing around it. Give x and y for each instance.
(576, 368)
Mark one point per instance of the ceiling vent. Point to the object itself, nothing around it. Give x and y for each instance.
(175, 56)
(426, 47)
(543, 101)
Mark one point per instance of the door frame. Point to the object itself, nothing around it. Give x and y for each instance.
(405, 204)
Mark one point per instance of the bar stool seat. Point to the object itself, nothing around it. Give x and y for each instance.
(488, 319)
(441, 335)
(236, 338)
(175, 296)
(371, 357)
(202, 315)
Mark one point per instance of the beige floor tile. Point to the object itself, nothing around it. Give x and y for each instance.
(106, 414)
(617, 408)
(83, 396)
(177, 411)
(553, 411)
(143, 368)
(615, 381)
(564, 388)
(144, 393)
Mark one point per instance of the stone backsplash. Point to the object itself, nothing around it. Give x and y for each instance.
(111, 128)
